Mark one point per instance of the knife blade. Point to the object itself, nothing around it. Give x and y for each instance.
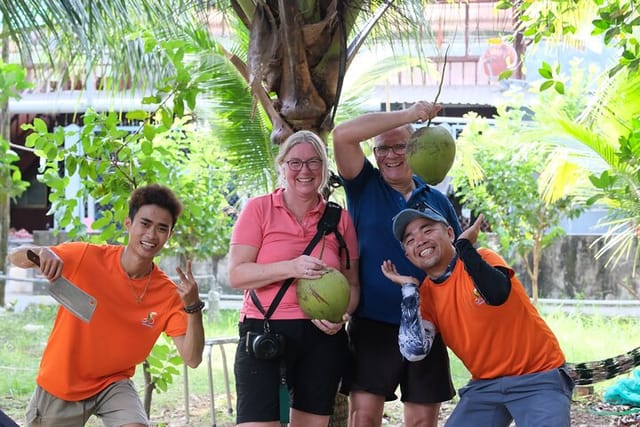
(78, 302)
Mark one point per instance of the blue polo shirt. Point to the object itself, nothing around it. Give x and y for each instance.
(372, 203)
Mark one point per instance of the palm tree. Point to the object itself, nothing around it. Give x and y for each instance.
(290, 55)
(298, 52)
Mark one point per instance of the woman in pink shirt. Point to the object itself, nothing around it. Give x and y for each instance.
(289, 356)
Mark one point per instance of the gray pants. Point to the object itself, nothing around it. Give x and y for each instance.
(534, 400)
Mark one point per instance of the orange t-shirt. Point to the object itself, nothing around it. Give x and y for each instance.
(81, 359)
(491, 341)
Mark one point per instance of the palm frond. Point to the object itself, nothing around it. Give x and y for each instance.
(562, 176)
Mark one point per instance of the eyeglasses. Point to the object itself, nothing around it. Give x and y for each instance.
(383, 150)
(297, 164)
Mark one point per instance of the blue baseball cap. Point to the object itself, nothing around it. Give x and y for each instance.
(404, 217)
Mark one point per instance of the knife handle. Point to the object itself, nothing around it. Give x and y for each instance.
(33, 257)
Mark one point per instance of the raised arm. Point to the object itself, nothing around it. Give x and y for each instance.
(493, 283)
(416, 335)
(347, 136)
(190, 345)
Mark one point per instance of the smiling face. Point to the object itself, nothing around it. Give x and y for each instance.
(427, 244)
(308, 179)
(149, 230)
(393, 163)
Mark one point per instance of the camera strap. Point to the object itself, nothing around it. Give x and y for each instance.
(328, 224)
(283, 393)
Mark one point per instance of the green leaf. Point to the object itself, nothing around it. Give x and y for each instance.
(604, 181)
(137, 115)
(149, 131)
(190, 97)
(151, 100)
(178, 105)
(546, 85)
(161, 385)
(176, 360)
(147, 147)
(503, 5)
(154, 362)
(31, 139)
(545, 73)
(166, 118)
(40, 126)
(505, 74)
(601, 24)
(610, 34)
(559, 86)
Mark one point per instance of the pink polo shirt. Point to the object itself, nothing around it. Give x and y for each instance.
(266, 223)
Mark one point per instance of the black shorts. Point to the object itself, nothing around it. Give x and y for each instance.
(315, 363)
(378, 366)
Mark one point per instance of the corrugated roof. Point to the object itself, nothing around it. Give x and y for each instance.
(492, 95)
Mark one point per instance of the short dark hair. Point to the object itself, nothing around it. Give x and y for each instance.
(155, 194)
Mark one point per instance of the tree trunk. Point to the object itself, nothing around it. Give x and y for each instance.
(296, 61)
(5, 182)
(537, 252)
(149, 386)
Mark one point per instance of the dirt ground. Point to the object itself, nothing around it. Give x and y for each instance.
(586, 412)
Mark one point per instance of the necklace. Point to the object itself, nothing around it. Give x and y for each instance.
(144, 291)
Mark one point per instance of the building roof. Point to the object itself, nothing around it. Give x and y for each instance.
(77, 101)
(480, 95)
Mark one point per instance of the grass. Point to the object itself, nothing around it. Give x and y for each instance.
(583, 338)
(23, 337)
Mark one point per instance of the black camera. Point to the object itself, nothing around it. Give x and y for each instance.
(267, 345)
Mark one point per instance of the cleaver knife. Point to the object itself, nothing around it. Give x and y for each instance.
(78, 302)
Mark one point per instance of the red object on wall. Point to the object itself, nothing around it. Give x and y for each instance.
(497, 58)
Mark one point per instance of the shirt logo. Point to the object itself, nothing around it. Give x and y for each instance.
(477, 298)
(150, 319)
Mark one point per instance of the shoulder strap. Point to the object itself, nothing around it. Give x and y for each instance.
(328, 223)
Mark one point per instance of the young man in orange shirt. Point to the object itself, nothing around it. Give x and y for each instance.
(86, 367)
(473, 299)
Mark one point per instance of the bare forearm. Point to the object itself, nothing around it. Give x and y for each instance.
(251, 275)
(369, 125)
(18, 256)
(354, 285)
(193, 343)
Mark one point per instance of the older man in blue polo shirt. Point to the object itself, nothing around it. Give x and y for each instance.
(374, 196)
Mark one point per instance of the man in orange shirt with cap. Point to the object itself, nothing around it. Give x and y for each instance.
(474, 300)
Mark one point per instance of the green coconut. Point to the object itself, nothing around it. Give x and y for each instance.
(326, 297)
(430, 153)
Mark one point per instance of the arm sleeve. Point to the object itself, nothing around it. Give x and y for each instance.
(493, 283)
(416, 335)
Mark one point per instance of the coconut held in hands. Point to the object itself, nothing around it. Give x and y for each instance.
(326, 297)
(430, 153)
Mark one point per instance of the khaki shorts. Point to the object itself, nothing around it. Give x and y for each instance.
(116, 405)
